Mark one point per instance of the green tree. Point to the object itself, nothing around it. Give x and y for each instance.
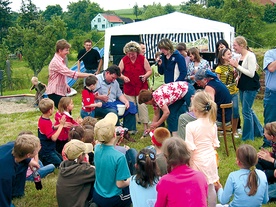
(247, 22)
(153, 10)
(5, 18)
(29, 13)
(169, 9)
(215, 3)
(136, 10)
(38, 41)
(51, 11)
(80, 14)
(270, 13)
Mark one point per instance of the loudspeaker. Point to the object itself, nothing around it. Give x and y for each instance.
(118, 43)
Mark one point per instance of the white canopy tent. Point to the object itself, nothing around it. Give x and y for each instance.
(178, 27)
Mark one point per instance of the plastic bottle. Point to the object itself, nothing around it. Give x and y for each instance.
(37, 179)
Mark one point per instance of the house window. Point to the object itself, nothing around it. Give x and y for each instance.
(96, 26)
(111, 25)
(99, 19)
(103, 26)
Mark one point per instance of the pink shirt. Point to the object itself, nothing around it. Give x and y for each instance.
(202, 139)
(183, 186)
(58, 72)
(169, 93)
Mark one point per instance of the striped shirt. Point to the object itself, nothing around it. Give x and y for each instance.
(58, 72)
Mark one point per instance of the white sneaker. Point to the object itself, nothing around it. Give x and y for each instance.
(236, 135)
(239, 131)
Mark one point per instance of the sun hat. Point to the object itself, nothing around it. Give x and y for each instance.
(75, 148)
(104, 129)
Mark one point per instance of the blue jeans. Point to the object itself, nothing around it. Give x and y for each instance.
(251, 125)
(235, 108)
(187, 97)
(131, 155)
(269, 109)
(43, 171)
(51, 158)
(85, 114)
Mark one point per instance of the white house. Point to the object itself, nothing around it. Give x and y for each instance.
(103, 21)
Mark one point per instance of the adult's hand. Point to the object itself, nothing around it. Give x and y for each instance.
(127, 104)
(154, 125)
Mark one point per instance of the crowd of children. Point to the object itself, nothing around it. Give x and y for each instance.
(171, 172)
(94, 170)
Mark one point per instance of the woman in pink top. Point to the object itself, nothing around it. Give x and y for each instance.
(182, 186)
(58, 73)
(202, 139)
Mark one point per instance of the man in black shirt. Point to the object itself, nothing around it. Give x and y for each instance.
(91, 58)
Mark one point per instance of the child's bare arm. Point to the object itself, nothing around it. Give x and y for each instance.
(122, 183)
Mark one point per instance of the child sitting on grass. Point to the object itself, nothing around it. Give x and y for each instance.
(48, 134)
(143, 185)
(112, 174)
(76, 177)
(267, 160)
(182, 186)
(248, 186)
(65, 107)
(42, 170)
(88, 98)
(14, 161)
(158, 136)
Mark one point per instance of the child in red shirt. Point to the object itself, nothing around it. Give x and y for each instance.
(88, 98)
(65, 106)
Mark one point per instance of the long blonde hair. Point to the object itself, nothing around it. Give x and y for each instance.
(205, 105)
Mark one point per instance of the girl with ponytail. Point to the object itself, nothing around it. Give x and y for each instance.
(248, 185)
(202, 139)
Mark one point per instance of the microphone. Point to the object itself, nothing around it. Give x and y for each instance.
(156, 62)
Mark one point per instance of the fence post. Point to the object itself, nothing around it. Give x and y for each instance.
(1, 78)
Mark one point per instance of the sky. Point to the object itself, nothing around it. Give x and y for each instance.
(105, 4)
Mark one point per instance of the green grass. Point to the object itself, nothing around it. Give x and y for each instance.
(12, 124)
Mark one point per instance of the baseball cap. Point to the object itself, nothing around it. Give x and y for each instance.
(105, 128)
(75, 148)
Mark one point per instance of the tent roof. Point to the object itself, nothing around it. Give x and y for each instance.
(170, 23)
(175, 22)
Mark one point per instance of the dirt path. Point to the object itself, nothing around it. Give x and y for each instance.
(7, 107)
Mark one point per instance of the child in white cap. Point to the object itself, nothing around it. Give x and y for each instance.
(112, 175)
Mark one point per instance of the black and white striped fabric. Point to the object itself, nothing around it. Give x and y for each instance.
(151, 40)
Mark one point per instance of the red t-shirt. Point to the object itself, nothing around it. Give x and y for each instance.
(88, 98)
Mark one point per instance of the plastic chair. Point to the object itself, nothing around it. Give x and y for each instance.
(226, 127)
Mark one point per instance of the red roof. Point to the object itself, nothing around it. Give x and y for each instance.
(112, 18)
(264, 2)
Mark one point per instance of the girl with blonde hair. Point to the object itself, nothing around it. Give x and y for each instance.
(249, 85)
(202, 139)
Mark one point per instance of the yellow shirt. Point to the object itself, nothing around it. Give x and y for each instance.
(227, 77)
